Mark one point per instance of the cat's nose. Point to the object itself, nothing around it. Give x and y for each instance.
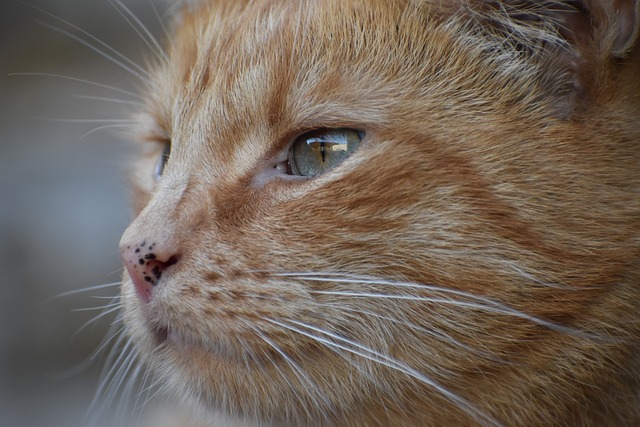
(145, 264)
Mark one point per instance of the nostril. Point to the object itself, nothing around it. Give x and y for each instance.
(145, 265)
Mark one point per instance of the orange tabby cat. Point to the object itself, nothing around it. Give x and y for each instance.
(393, 213)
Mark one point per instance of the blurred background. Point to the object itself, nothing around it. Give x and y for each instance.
(63, 198)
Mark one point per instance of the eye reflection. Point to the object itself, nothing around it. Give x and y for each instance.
(319, 151)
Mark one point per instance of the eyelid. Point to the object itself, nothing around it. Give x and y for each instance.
(162, 160)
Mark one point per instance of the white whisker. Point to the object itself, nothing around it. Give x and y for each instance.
(102, 307)
(298, 372)
(383, 359)
(477, 302)
(149, 40)
(83, 81)
(125, 398)
(115, 121)
(99, 128)
(160, 20)
(108, 339)
(111, 309)
(106, 377)
(133, 69)
(118, 380)
(113, 100)
(83, 290)
(144, 388)
(437, 334)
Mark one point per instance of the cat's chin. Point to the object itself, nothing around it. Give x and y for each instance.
(186, 346)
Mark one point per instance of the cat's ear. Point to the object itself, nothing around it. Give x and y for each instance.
(571, 41)
(595, 27)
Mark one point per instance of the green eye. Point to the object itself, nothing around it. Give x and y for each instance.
(316, 152)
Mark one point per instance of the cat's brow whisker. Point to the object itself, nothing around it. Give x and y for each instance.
(133, 69)
(350, 346)
(140, 29)
(114, 121)
(99, 128)
(83, 81)
(160, 20)
(141, 73)
(113, 100)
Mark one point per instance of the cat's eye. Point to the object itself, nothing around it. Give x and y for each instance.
(162, 161)
(316, 152)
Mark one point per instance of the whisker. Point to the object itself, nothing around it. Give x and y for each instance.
(83, 81)
(108, 371)
(377, 357)
(96, 318)
(490, 306)
(63, 120)
(109, 337)
(477, 302)
(298, 372)
(117, 305)
(118, 379)
(83, 290)
(149, 40)
(124, 401)
(141, 73)
(99, 128)
(107, 99)
(160, 20)
(150, 397)
(142, 389)
(133, 69)
(437, 334)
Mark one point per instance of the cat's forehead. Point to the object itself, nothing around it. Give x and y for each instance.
(285, 66)
(245, 75)
(318, 60)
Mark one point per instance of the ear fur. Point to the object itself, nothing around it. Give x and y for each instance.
(573, 43)
(626, 22)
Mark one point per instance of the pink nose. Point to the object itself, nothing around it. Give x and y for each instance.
(146, 263)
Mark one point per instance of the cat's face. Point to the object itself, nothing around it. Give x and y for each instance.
(375, 212)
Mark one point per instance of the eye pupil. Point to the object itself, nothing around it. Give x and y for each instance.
(316, 152)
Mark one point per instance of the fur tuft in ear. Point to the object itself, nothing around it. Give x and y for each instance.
(625, 23)
(572, 43)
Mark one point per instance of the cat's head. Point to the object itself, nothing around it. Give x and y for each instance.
(353, 212)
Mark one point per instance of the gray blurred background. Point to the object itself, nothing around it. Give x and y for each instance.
(63, 200)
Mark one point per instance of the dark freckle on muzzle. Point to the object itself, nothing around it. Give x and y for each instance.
(145, 267)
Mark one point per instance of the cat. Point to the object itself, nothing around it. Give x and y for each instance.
(400, 213)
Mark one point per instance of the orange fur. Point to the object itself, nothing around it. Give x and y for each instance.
(498, 187)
